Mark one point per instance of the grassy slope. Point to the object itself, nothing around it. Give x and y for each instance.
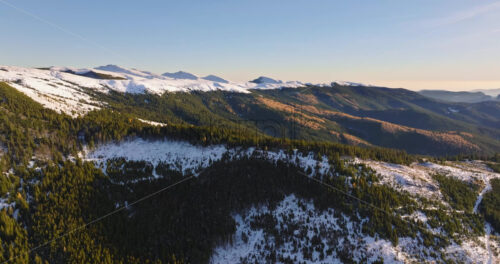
(402, 107)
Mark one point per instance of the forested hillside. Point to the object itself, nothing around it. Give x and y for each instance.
(344, 113)
(271, 180)
(308, 113)
(38, 150)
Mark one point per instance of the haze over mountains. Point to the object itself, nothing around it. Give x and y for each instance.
(490, 92)
(465, 97)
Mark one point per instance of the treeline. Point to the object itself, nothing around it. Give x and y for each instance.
(495, 163)
(234, 138)
(495, 158)
(492, 161)
(474, 156)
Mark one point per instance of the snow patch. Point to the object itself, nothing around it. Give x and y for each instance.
(417, 180)
(153, 123)
(5, 204)
(329, 231)
(412, 179)
(191, 159)
(182, 156)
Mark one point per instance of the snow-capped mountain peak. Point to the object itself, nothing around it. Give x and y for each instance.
(181, 75)
(118, 69)
(214, 78)
(264, 80)
(63, 88)
(346, 83)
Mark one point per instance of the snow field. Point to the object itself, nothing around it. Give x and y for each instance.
(191, 159)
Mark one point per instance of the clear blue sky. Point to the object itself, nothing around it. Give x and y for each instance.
(450, 44)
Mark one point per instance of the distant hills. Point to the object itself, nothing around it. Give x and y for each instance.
(465, 97)
(490, 92)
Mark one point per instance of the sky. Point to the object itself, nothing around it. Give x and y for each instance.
(425, 44)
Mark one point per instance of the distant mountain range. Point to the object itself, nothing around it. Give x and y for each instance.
(427, 122)
(465, 97)
(490, 92)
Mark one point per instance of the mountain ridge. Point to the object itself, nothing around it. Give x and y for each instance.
(352, 114)
(181, 75)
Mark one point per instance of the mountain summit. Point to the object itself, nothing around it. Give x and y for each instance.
(119, 69)
(181, 75)
(214, 78)
(265, 80)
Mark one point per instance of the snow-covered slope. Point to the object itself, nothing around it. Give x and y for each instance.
(346, 83)
(182, 82)
(182, 156)
(66, 89)
(118, 69)
(417, 179)
(190, 159)
(338, 232)
(54, 89)
(181, 75)
(214, 78)
(142, 81)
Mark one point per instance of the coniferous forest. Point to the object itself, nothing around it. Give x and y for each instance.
(54, 196)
